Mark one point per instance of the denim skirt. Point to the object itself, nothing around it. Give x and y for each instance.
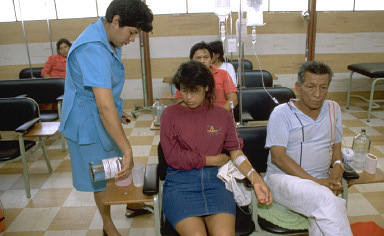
(197, 192)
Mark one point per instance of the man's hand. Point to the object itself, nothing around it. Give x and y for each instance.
(334, 185)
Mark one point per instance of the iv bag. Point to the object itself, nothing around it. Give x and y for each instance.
(255, 13)
(222, 9)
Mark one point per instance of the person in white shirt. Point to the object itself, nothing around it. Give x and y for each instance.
(218, 59)
(304, 164)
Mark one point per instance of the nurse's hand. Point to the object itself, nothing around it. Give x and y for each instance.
(127, 167)
(125, 119)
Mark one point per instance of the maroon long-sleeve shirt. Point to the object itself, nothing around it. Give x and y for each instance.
(188, 135)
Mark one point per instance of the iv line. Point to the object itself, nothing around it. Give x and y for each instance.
(258, 60)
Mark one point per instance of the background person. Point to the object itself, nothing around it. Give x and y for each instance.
(225, 90)
(54, 67)
(304, 164)
(195, 200)
(218, 59)
(92, 107)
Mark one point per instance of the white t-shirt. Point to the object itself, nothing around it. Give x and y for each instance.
(290, 128)
(231, 71)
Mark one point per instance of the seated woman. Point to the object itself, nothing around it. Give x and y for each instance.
(193, 134)
(55, 65)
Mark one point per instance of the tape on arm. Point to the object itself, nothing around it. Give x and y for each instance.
(240, 159)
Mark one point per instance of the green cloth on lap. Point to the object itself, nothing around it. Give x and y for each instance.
(283, 217)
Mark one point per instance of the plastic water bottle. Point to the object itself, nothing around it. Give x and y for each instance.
(361, 144)
(157, 109)
(105, 169)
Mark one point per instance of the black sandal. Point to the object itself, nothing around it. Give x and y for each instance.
(136, 212)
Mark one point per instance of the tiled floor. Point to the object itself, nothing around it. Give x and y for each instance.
(55, 208)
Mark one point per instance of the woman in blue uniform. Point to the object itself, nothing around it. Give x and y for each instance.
(92, 107)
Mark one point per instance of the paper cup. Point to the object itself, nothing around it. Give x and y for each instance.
(370, 163)
(138, 174)
(125, 181)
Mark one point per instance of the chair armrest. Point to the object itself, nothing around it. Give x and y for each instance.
(24, 127)
(151, 179)
(60, 98)
(21, 96)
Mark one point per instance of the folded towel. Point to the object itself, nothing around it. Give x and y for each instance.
(232, 177)
(283, 217)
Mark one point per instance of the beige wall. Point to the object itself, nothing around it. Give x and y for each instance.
(342, 38)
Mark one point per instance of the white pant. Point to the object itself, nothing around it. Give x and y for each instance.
(326, 212)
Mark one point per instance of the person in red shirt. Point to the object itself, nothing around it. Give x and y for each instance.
(54, 67)
(225, 89)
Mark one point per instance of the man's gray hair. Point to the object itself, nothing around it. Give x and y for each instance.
(315, 67)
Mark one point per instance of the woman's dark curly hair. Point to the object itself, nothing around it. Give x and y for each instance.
(133, 13)
(192, 74)
(61, 41)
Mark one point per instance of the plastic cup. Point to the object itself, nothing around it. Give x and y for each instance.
(124, 181)
(138, 174)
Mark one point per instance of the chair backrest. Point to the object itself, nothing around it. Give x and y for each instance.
(26, 73)
(247, 64)
(255, 78)
(254, 142)
(16, 111)
(40, 90)
(259, 104)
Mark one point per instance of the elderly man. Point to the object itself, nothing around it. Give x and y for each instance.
(304, 165)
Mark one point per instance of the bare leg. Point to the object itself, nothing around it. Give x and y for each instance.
(105, 212)
(222, 224)
(192, 226)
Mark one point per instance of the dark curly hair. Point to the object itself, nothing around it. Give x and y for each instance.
(192, 74)
(133, 13)
(198, 46)
(217, 47)
(61, 41)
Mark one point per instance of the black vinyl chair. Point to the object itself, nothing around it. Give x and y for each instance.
(254, 138)
(244, 222)
(256, 78)
(26, 73)
(247, 64)
(20, 115)
(41, 90)
(257, 105)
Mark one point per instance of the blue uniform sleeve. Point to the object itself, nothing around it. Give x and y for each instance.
(95, 62)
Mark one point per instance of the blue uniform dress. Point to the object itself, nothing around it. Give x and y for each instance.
(91, 63)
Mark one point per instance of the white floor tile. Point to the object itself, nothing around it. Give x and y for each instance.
(369, 131)
(6, 181)
(142, 132)
(373, 122)
(16, 198)
(77, 198)
(141, 151)
(59, 180)
(66, 233)
(364, 188)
